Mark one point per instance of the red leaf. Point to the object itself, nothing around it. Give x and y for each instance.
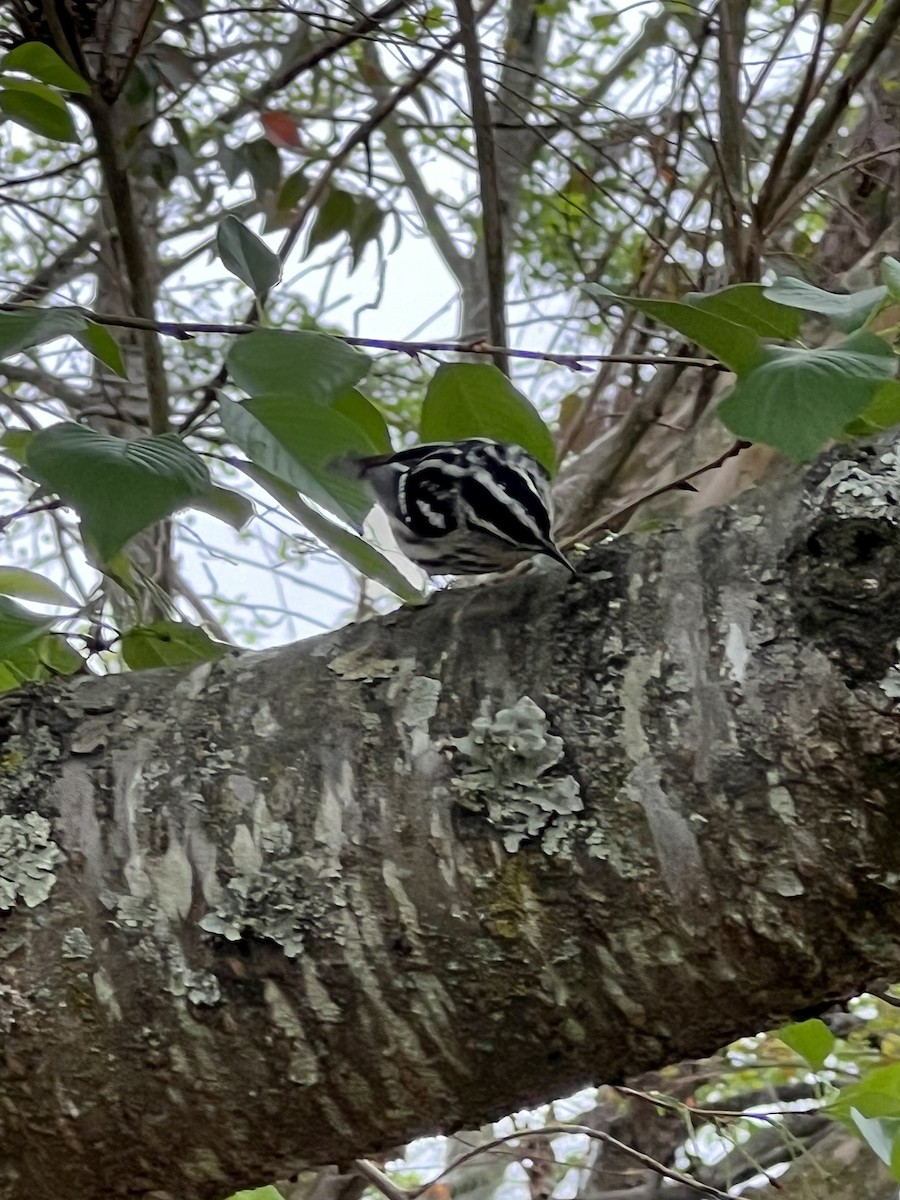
(280, 127)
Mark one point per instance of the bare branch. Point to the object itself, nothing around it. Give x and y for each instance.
(801, 159)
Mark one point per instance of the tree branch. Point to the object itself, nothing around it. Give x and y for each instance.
(212, 941)
(184, 330)
(136, 262)
(491, 217)
(801, 159)
(730, 149)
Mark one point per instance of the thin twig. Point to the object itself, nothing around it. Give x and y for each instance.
(625, 510)
(377, 1178)
(800, 194)
(367, 23)
(575, 362)
(586, 1131)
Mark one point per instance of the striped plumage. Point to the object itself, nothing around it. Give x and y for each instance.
(463, 508)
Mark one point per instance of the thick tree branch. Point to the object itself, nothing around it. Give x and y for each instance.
(491, 217)
(300, 906)
(730, 151)
(136, 262)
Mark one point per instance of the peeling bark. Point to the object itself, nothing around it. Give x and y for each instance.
(301, 905)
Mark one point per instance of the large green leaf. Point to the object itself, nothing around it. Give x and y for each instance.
(876, 1094)
(848, 312)
(299, 445)
(352, 549)
(32, 327)
(797, 399)
(39, 108)
(737, 346)
(477, 400)
(747, 304)
(882, 412)
(169, 644)
(359, 408)
(28, 585)
(117, 487)
(811, 1039)
(19, 626)
(247, 256)
(310, 366)
(43, 63)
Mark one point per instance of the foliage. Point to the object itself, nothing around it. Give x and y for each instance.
(306, 154)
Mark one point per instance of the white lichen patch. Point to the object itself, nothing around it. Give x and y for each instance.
(875, 489)
(421, 701)
(77, 944)
(507, 753)
(303, 1066)
(28, 860)
(360, 665)
(890, 685)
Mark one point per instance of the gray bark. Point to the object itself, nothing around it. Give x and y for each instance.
(302, 905)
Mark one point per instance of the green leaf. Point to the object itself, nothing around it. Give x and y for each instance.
(882, 413)
(365, 227)
(477, 400)
(811, 1039)
(169, 644)
(39, 109)
(293, 190)
(299, 446)
(747, 304)
(877, 1094)
(118, 487)
(43, 63)
(359, 408)
(890, 273)
(41, 659)
(352, 549)
(15, 443)
(335, 216)
(97, 340)
(263, 1193)
(797, 399)
(879, 1133)
(247, 256)
(311, 366)
(28, 585)
(263, 162)
(19, 626)
(32, 327)
(848, 312)
(737, 346)
(226, 505)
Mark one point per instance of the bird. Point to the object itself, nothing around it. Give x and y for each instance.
(465, 507)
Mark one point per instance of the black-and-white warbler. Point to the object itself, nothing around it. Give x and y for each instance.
(463, 508)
